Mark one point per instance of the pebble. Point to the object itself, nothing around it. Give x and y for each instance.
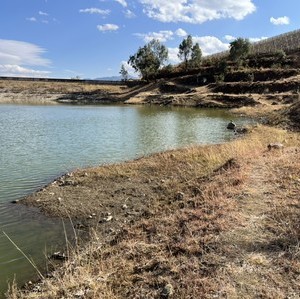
(179, 196)
(167, 291)
(108, 218)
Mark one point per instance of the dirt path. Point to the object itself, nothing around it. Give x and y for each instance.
(262, 262)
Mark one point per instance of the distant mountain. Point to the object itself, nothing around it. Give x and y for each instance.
(114, 78)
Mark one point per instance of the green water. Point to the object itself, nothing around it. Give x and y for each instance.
(38, 143)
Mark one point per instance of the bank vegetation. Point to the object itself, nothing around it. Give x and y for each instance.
(218, 221)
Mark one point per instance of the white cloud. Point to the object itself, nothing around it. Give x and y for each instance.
(21, 53)
(108, 27)
(122, 2)
(229, 38)
(173, 56)
(180, 32)
(197, 11)
(15, 56)
(12, 70)
(94, 10)
(210, 44)
(41, 13)
(256, 39)
(162, 35)
(32, 19)
(129, 14)
(280, 21)
(131, 71)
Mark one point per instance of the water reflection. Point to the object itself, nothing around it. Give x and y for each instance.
(38, 143)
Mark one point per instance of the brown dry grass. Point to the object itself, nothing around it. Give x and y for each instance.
(216, 222)
(39, 92)
(54, 87)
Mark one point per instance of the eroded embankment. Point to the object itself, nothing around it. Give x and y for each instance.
(52, 92)
(203, 222)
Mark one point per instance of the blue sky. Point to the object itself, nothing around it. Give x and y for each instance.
(92, 38)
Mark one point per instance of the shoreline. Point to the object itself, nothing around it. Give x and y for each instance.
(168, 222)
(139, 199)
(240, 98)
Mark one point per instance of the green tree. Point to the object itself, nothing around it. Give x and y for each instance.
(149, 59)
(185, 50)
(196, 55)
(124, 73)
(239, 49)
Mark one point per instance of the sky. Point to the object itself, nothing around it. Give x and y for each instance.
(90, 39)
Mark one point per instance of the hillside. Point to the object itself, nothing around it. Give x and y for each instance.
(269, 82)
(218, 221)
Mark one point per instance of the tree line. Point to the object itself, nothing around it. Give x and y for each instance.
(149, 59)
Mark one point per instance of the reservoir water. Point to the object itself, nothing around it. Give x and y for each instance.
(38, 143)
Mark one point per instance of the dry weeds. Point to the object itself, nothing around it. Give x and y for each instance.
(204, 222)
(41, 93)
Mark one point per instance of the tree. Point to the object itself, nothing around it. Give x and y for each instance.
(196, 55)
(124, 73)
(185, 50)
(149, 59)
(239, 49)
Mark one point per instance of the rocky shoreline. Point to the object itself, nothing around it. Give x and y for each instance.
(154, 221)
(166, 223)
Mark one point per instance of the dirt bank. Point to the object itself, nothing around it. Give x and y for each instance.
(42, 92)
(254, 98)
(202, 222)
(216, 221)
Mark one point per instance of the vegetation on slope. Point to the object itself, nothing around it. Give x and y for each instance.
(216, 221)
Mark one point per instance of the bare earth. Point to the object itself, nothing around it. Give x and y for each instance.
(216, 221)
(204, 222)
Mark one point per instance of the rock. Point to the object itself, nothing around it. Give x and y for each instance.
(79, 294)
(59, 256)
(108, 218)
(80, 226)
(240, 130)
(37, 289)
(15, 201)
(179, 196)
(231, 125)
(276, 145)
(167, 291)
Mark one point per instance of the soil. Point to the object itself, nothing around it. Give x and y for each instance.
(216, 221)
(202, 222)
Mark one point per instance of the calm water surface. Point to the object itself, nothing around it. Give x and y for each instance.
(38, 143)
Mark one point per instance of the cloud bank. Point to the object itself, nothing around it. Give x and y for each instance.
(280, 21)
(94, 10)
(197, 11)
(17, 56)
(108, 27)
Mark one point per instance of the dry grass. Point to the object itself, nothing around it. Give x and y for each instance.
(216, 222)
(54, 87)
(39, 92)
